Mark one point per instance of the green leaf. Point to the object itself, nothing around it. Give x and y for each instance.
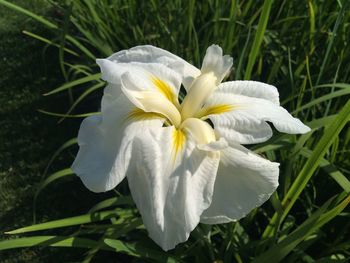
(52, 241)
(53, 177)
(84, 115)
(139, 250)
(70, 221)
(114, 201)
(45, 40)
(49, 25)
(28, 13)
(332, 170)
(330, 134)
(82, 96)
(329, 96)
(312, 224)
(64, 146)
(74, 83)
(259, 35)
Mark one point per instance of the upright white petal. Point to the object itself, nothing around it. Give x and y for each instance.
(105, 145)
(172, 184)
(215, 62)
(244, 181)
(151, 54)
(244, 118)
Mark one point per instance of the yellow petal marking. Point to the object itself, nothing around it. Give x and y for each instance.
(140, 115)
(179, 139)
(216, 109)
(165, 89)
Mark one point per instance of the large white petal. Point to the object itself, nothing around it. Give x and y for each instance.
(250, 88)
(171, 186)
(244, 118)
(105, 145)
(150, 54)
(244, 181)
(150, 77)
(112, 72)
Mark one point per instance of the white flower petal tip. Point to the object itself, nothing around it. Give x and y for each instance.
(246, 122)
(215, 62)
(109, 71)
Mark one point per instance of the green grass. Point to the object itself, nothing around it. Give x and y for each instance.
(27, 138)
(300, 47)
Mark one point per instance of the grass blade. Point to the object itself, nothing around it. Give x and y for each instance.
(259, 35)
(312, 224)
(330, 134)
(52, 241)
(71, 221)
(139, 250)
(84, 115)
(74, 83)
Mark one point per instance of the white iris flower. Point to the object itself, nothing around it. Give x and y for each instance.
(184, 161)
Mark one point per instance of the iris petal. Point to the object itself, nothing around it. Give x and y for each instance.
(171, 194)
(244, 181)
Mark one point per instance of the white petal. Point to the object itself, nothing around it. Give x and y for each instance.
(244, 181)
(143, 94)
(112, 72)
(171, 186)
(245, 122)
(250, 88)
(215, 62)
(151, 54)
(105, 145)
(151, 87)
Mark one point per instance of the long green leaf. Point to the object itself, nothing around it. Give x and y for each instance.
(28, 13)
(52, 178)
(62, 115)
(338, 176)
(74, 83)
(49, 24)
(259, 35)
(52, 241)
(329, 96)
(330, 134)
(82, 96)
(64, 146)
(312, 224)
(139, 250)
(71, 221)
(114, 201)
(45, 40)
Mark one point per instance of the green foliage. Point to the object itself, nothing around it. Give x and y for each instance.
(301, 47)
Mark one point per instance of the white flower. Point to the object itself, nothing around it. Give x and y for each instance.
(181, 168)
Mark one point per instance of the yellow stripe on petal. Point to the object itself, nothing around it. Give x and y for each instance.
(140, 115)
(179, 139)
(215, 109)
(165, 89)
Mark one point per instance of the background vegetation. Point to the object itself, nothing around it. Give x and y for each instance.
(302, 47)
